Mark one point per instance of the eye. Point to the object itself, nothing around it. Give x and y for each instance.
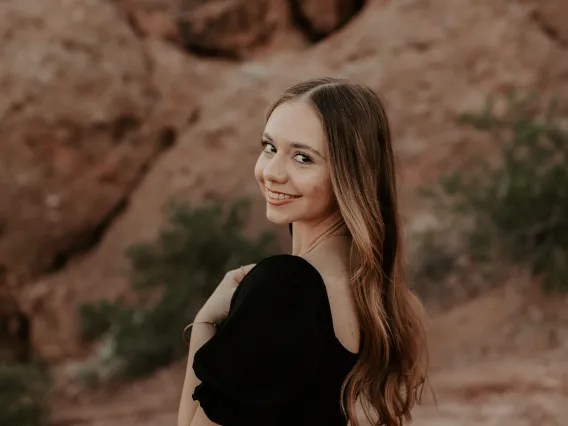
(267, 146)
(306, 159)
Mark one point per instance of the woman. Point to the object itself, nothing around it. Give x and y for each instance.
(307, 335)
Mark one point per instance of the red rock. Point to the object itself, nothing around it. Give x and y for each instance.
(552, 18)
(152, 18)
(426, 67)
(77, 126)
(230, 28)
(321, 18)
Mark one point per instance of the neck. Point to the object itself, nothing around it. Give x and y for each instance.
(305, 235)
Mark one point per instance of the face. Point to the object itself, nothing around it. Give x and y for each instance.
(292, 169)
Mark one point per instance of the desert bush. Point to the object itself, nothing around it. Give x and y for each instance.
(172, 277)
(515, 206)
(23, 391)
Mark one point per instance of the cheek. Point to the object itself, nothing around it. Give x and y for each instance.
(258, 169)
(319, 189)
(327, 194)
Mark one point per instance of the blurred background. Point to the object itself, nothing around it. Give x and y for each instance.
(128, 134)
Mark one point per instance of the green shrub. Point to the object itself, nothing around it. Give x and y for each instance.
(172, 276)
(517, 205)
(23, 391)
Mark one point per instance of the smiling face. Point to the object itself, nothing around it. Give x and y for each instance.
(294, 162)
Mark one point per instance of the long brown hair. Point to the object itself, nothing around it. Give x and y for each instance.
(392, 368)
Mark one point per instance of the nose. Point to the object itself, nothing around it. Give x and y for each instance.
(275, 170)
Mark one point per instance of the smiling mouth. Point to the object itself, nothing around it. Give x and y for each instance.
(278, 196)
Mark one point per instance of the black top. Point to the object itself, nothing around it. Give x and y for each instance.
(275, 360)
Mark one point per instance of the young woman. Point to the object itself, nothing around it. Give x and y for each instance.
(307, 335)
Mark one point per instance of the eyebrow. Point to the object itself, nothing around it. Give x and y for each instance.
(297, 145)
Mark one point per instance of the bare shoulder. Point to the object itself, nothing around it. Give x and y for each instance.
(335, 273)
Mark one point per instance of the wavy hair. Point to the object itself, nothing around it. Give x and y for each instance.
(391, 371)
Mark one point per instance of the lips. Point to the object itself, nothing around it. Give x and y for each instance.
(275, 195)
(279, 198)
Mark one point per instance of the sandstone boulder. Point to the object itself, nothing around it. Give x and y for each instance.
(230, 28)
(552, 17)
(152, 18)
(427, 68)
(75, 127)
(321, 18)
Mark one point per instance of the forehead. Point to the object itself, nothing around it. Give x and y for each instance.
(296, 121)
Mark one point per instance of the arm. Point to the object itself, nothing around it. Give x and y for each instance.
(200, 334)
(215, 309)
(200, 419)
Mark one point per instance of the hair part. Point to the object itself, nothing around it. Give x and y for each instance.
(392, 367)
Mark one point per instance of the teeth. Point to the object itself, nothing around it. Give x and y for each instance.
(279, 196)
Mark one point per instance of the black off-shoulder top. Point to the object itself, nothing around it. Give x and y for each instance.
(275, 360)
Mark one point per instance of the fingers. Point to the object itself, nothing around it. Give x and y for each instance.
(241, 272)
(248, 267)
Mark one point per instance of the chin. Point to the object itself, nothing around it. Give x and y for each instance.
(278, 219)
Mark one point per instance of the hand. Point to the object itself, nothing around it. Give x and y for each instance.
(217, 306)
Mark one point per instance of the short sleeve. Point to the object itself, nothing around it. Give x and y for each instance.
(269, 347)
